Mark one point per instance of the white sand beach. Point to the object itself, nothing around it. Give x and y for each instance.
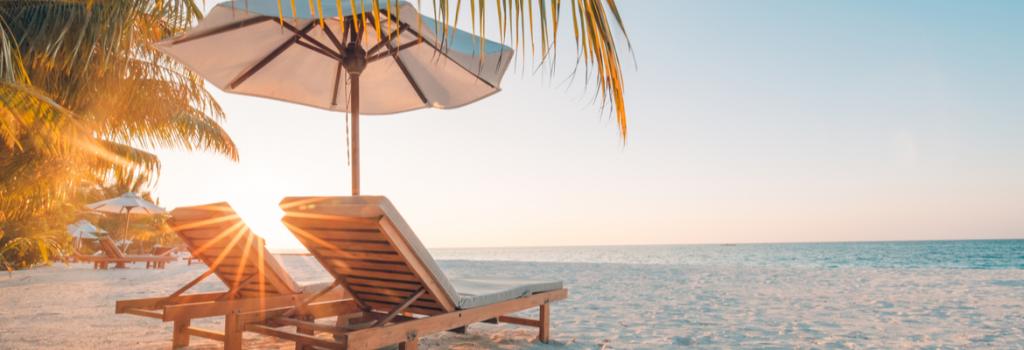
(611, 306)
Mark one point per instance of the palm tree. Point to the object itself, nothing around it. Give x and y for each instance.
(83, 92)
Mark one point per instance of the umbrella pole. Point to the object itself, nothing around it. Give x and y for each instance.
(127, 221)
(355, 132)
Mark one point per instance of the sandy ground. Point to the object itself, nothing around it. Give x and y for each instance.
(614, 306)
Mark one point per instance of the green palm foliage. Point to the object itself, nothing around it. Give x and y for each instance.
(82, 93)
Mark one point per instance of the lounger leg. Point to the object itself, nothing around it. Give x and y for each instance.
(303, 330)
(179, 339)
(341, 322)
(232, 332)
(545, 323)
(411, 344)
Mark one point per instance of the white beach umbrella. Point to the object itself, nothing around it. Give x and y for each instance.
(78, 234)
(83, 229)
(243, 47)
(128, 204)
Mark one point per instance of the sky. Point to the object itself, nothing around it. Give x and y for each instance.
(749, 121)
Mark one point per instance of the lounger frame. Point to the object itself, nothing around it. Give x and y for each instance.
(396, 297)
(113, 254)
(215, 235)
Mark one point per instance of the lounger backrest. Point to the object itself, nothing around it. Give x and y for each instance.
(110, 248)
(367, 246)
(216, 235)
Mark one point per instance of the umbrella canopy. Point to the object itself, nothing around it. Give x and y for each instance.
(127, 203)
(83, 229)
(342, 65)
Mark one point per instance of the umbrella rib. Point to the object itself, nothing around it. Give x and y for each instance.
(344, 29)
(334, 39)
(413, 31)
(401, 65)
(263, 62)
(318, 50)
(303, 34)
(224, 28)
(408, 76)
(392, 51)
(393, 36)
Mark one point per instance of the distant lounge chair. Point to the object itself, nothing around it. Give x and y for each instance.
(399, 292)
(255, 280)
(113, 254)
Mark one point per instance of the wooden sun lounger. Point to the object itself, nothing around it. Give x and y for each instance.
(255, 280)
(113, 254)
(399, 293)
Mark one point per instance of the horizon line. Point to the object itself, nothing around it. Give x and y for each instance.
(294, 252)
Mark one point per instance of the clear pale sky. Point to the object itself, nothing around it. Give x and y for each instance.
(750, 121)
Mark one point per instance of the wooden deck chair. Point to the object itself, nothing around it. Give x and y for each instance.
(113, 254)
(255, 279)
(399, 293)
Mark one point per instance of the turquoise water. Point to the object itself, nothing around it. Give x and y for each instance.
(973, 254)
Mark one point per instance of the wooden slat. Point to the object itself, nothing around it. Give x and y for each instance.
(387, 291)
(209, 257)
(365, 247)
(311, 325)
(329, 222)
(414, 309)
(316, 309)
(397, 300)
(295, 337)
(397, 294)
(344, 265)
(359, 256)
(389, 276)
(384, 284)
(519, 321)
(206, 232)
(212, 244)
(372, 265)
(347, 236)
(233, 268)
(205, 333)
(157, 303)
(145, 313)
(215, 308)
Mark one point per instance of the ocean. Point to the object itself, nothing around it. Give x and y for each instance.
(964, 254)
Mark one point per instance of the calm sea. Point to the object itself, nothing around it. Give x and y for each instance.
(977, 254)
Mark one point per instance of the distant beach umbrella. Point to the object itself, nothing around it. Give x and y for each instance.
(404, 61)
(83, 229)
(128, 204)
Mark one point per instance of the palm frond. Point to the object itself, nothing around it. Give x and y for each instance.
(81, 90)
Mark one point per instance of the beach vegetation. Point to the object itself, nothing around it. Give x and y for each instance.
(84, 96)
